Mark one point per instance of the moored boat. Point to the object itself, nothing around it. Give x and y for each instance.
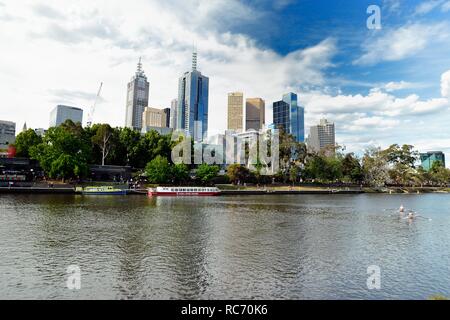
(183, 191)
(105, 190)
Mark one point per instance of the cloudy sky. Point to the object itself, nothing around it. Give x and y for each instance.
(379, 86)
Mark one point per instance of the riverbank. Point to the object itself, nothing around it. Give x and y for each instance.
(239, 190)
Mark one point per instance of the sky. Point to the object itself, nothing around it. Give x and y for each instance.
(383, 86)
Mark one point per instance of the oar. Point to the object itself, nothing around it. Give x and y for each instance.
(429, 219)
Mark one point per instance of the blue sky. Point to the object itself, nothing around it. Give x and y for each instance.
(291, 25)
(379, 86)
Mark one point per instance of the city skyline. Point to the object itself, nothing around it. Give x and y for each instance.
(380, 94)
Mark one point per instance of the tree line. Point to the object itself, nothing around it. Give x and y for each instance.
(66, 151)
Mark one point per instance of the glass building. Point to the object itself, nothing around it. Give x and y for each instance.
(192, 111)
(429, 158)
(137, 99)
(289, 116)
(61, 113)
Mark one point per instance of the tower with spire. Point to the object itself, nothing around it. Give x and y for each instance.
(137, 98)
(194, 60)
(193, 96)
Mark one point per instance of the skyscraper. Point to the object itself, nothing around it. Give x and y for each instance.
(288, 115)
(137, 98)
(173, 113)
(193, 94)
(322, 136)
(255, 114)
(235, 111)
(61, 113)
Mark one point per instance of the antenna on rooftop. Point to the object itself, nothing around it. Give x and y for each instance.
(194, 58)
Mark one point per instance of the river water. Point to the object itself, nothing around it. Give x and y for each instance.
(230, 247)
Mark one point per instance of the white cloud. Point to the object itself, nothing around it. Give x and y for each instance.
(445, 84)
(371, 123)
(427, 6)
(392, 5)
(101, 40)
(401, 43)
(395, 86)
(373, 114)
(376, 102)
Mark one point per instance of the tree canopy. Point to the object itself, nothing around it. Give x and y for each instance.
(25, 141)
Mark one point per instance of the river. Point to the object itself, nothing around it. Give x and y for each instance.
(230, 247)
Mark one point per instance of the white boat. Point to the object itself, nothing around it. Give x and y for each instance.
(183, 191)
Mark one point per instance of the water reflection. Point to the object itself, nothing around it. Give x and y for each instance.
(249, 247)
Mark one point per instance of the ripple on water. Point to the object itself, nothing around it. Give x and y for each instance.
(252, 247)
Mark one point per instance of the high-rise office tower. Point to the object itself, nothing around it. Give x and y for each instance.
(137, 98)
(173, 113)
(193, 94)
(153, 117)
(289, 116)
(255, 114)
(235, 111)
(322, 136)
(61, 113)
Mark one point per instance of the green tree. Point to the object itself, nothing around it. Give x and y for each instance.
(439, 174)
(404, 155)
(180, 173)
(103, 138)
(294, 174)
(206, 172)
(375, 167)
(151, 145)
(402, 161)
(26, 140)
(314, 167)
(64, 152)
(333, 169)
(238, 173)
(129, 148)
(422, 177)
(290, 152)
(351, 168)
(158, 170)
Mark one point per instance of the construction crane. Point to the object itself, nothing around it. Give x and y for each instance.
(92, 111)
